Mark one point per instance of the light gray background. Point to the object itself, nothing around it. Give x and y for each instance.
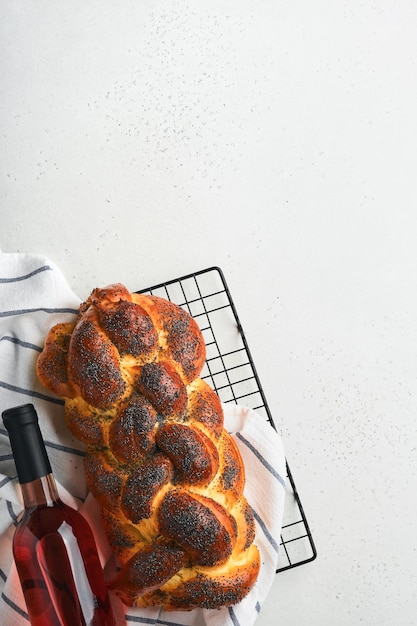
(141, 141)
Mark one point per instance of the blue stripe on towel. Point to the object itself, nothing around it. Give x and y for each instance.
(58, 446)
(6, 457)
(20, 342)
(149, 620)
(165, 623)
(29, 392)
(6, 480)
(264, 462)
(11, 512)
(44, 309)
(48, 444)
(233, 617)
(16, 279)
(15, 608)
(265, 530)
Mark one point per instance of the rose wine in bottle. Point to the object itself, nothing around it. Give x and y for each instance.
(53, 545)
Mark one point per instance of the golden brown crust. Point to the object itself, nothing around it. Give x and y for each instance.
(94, 364)
(104, 480)
(161, 384)
(52, 364)
(210, 588)
(192, 453)
(204, 407)
(147, 569)
(85, 423)
(129, 327)
(201, 526)
(132, 431)
(168, 477)
(143, 485)
(182, 341)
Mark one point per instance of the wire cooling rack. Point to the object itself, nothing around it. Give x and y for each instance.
(230, 370)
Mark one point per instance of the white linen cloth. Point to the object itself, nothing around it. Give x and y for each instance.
(34, 296)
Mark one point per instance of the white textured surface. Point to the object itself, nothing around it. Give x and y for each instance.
(142, 141)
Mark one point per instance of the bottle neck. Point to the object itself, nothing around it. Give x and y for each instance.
(40, 492)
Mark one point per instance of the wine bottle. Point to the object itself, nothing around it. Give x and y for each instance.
(53, 545)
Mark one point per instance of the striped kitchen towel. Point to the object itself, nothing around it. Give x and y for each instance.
(34, 296)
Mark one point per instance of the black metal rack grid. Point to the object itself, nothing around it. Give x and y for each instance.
(230, 370)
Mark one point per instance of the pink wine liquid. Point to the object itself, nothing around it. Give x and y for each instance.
(59, 570)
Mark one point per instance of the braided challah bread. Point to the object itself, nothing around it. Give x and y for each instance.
(168, 477)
